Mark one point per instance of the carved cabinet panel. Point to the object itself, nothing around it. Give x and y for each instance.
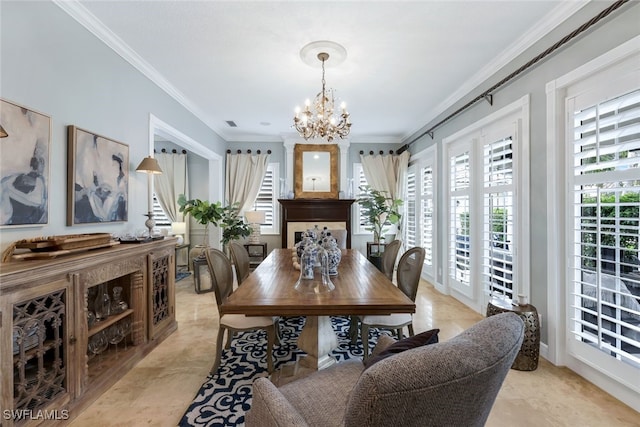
(71, 327)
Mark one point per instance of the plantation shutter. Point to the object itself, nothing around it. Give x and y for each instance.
(266, 198)
(605, 141)
(460, 218)
(161, 218)
(427, 212)
(410, 225)
(497, 218)
(361, 181)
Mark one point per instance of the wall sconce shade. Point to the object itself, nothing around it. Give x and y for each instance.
(3, 133)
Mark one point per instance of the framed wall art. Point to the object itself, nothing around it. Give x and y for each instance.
(97, 178)
(25, 141)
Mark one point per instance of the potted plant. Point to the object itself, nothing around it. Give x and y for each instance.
(226, 217)
(379, 211)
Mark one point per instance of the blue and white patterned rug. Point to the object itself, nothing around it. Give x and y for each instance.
(224, 397)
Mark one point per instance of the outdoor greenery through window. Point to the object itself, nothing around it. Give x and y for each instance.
(497, 260)
(606, 206)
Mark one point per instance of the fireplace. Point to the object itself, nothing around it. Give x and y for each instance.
(305, 213)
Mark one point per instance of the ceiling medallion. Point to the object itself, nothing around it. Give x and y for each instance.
(319, 120)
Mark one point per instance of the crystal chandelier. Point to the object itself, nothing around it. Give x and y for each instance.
(321, 122)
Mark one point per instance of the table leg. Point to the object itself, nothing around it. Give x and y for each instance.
(317, 339)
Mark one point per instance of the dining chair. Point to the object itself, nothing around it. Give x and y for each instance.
(389, 258)
(240, 258)
(408, 278)
(222, 282)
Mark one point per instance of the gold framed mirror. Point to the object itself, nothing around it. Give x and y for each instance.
(316, 171)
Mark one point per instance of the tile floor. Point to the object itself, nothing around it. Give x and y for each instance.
(159, 389)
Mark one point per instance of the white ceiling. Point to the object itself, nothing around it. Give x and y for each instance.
(240, 60)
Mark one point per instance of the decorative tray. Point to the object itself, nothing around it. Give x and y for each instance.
(64, 242)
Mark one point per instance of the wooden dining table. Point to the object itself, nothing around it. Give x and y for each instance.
(360, 289)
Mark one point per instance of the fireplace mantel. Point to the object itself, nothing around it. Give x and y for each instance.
(315, 210)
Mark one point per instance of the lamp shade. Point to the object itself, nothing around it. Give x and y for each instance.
(254, 217)
(178, 227)
(149, 165)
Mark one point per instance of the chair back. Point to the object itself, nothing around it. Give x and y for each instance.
(389, 258)
(240, 258)
(409, 270)
(221, 274)
(452, 383)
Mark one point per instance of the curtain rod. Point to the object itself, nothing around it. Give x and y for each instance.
(248, 152)
(488, 94)
(381, 152)
(173, 151)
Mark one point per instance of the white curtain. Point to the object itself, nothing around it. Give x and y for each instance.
(172, 182)
(387, 173)
(244, 176)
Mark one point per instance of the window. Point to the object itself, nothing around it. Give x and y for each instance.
(460, 218)
(592, 181)
(410, 228)
(427, 210)
(161, 218)
(605, 270)
(359, 181)
(488, 206)
(267, 199)
(497, 218)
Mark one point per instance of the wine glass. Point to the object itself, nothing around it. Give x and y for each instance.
(115, 335)
(97, 344)
(126, 330)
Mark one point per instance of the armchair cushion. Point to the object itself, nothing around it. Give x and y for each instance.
(423, 338)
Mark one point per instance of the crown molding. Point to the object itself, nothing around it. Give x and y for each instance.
(549, 22)
(88, 20)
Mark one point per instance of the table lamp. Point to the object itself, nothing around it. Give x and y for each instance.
(254, 218)
(178, 229)
(150, 166)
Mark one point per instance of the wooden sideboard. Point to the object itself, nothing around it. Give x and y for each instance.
(49, 343)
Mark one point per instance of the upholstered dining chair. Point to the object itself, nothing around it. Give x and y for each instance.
(408, 278)
(222, 281)
(240, 258)
(389, 258)
(451, 383)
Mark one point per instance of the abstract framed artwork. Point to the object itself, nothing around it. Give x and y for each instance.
(97, 178)
(25, 141)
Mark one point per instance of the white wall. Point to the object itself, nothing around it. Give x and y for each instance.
(53, 65)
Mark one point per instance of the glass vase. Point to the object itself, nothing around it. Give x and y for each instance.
(118, 305)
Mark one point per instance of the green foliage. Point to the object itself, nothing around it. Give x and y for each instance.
(378, 210)
(202, 211)
(622, 219)
(225, 217)
(233, 226)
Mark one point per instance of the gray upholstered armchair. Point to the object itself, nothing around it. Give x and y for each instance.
(451, 383)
